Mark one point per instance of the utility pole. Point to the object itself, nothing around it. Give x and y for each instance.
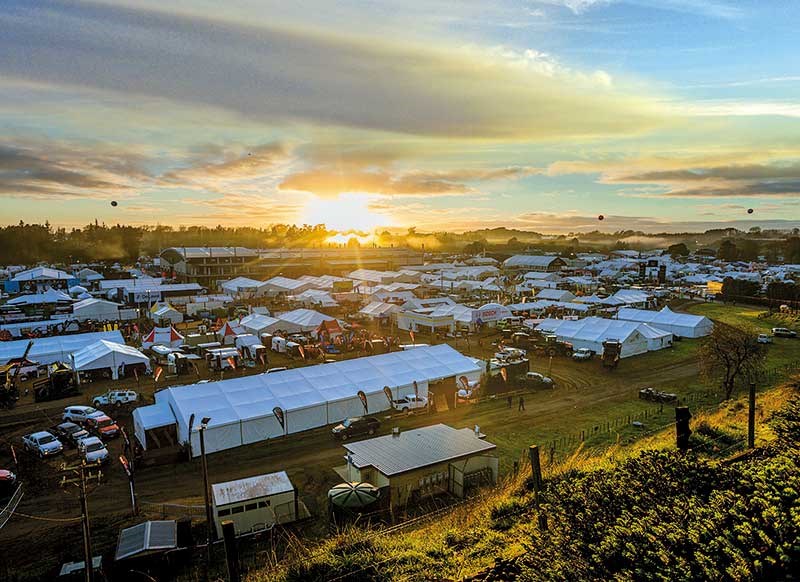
(209, 518)
(79, 480)
(751, 417)
(536, 476)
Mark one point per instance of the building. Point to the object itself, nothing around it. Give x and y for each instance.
(98, 310)
(434, 459)
(210, 266)
(542, 263)
(38, 280)
(255, 503)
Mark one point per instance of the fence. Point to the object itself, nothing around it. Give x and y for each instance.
(172, 510)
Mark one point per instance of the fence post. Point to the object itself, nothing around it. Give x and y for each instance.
(536, 474)
(231, 551)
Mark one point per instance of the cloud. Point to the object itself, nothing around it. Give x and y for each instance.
(60, 171)
(696, 177)
(274, 74)
(330, 182)
(232, 165)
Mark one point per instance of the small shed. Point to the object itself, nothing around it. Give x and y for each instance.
(145, 538)
(255, 503)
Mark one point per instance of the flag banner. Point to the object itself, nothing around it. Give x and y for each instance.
(302, 351)
(125, 465)
(232, 362)
(464, 382)
(278, 412)
(136, 374)
(411, 334)
(388, 392)
(363, 398)
(504, 374)
(416, 389)
(158, 373)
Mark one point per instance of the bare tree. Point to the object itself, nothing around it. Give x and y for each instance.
(730, 353)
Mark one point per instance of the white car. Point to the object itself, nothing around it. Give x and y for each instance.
(43, 444)
(410, 402)
(582, 354)
(80, 414)
(115, 397)
(764, 338)
(93, 451)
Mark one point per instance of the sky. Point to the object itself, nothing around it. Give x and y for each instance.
(659, 115)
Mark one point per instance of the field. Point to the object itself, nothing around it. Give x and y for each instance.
(588, 401)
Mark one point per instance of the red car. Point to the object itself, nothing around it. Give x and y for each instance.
(103, 426)
(8, 482)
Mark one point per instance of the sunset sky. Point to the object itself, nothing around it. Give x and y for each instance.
(662, 115)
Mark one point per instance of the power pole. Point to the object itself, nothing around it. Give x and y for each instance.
(751, 417)
(209, 518)
(79, 479)
(536, 476)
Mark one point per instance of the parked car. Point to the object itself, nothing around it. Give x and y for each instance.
(537, 380)
(8, 484)
(764, 338)
(582, 354)
(783, 332)
(43, 444)
(70, 433)
(115, 397)
(410, 402)
(355, 426)
(92, 450)
(80, 414)
(103, 427)
(657, 395)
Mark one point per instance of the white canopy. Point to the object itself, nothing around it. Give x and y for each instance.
(241, 409)
(591, 332)
(163, 336)
(257, 323)
(58, 348)
(681, 324)
(301, 320)
(49, 296)
(106, 354)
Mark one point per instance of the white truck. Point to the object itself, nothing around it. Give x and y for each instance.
(115, 397)
(43, 444)
(410, 402)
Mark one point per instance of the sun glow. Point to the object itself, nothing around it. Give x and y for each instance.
(344, 213)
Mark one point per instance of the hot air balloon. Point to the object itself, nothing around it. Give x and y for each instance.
(113, 203)
(749, 211)
(601, 217)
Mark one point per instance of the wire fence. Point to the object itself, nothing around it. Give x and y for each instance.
(171, 510)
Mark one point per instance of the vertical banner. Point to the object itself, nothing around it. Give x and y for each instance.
(232, 362)
(363, 398)
(388, 392)
(464, 383)
(302, 351)
(416, 389)
(411, 334)
(157, 375)
(278, 412)
(504, 374)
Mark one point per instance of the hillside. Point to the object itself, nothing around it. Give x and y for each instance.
(644, 512)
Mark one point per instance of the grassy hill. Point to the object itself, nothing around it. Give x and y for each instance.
(642, 512)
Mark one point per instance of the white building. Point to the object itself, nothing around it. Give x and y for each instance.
(680, 324)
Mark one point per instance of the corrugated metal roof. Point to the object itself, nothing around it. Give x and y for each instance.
(414, 449)
(251, 488)
(146, 537)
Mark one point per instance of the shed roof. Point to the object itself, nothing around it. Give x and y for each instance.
(251, 488)
(147, 537)
(414, 449)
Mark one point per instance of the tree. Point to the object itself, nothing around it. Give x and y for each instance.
(475, 247)
(733, 288)
(749, 250)
(727, 251)
(678, 250)
(728, 354)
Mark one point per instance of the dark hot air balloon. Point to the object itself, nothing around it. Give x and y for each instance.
(113, 203)
(749, 211)
(601, 217)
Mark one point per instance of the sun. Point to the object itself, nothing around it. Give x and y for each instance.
(347, 212)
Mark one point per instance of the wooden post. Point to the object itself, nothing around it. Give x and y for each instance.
(751, 418)
(682, 430)
(536, 474)
(231, 551)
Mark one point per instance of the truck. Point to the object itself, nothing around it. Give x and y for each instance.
(42, 443)
(115, 397)
(612, 350)
(59, 383)
(654, 395)
(410, 402)
(536, 380)
(582, 355)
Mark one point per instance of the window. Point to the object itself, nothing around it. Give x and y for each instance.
(263, 503)
(250, 506)
(238, 509)
(223, 512)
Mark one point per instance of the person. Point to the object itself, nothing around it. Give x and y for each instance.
(509, 400)
(521, 403)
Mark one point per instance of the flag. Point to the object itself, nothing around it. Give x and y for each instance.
(411, 334)
(363, 398)
(302, 351)
(14, 454)
(158, 373)
(263, 359)
(136, 374)
(464, 382)
(416, 389)
(125, 465)
(232, 362)
(278, 412)
(388, 392)
(504, 374)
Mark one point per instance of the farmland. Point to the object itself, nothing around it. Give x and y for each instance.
(586, 397)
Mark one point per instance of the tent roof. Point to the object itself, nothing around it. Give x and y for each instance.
(86, 356)
(42, 274)
(304, 317)
(249, 397)
(154, 416)
(664, 317)
(594, 329)
(160, 334)
(257, 321)
(56, 348)
(49, 296)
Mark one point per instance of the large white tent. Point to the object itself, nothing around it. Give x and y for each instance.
(58, 348)
(162, 336)
(301, 320)
(50, 296)
(257, 323)
(105, 354)
(680, 324)
(591, 332)
(96, 309)
(242, 410)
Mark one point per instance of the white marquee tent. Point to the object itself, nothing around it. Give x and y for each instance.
(680, 324)
(257, 323)
(591, 332)
(301, 320)
(96, 309)
(242, 409)
(162, 336)
(48, 350)
(105, 354)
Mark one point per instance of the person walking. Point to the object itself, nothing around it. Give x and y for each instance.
(509, 401)
(521, 405)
